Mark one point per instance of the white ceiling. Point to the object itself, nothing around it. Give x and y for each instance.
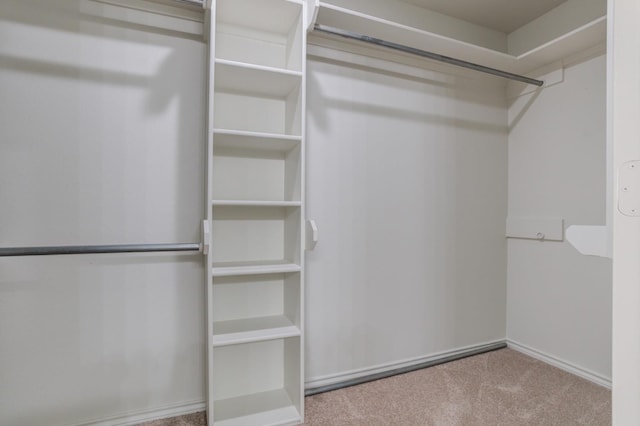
(501, 15)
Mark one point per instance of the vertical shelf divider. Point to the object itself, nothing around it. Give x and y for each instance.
(209, 33)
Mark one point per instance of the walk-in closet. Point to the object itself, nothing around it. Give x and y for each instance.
(226, 208)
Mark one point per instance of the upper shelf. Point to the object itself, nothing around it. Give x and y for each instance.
(581, 38)
(275, 17)
(261, 32)
(255, 79)
(573, 41)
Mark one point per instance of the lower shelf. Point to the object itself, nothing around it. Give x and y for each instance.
(264, 408)
(253, 330)
(225, 269)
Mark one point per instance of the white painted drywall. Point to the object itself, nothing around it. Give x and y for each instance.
(101, 123)
(559, 301)
(406, 180)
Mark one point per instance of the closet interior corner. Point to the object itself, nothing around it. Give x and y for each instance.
(384, 184)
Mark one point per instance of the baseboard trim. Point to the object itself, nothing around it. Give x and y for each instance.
(364, 375)
(560, 363)
(140, 416)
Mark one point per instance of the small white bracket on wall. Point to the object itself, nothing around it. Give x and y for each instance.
(206, 237)
(629, 189)
(589, 240)
(312, 234)
(536, 228)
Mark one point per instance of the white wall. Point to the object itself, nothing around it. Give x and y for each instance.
(406, 179)
(558, 301)
(101, 123)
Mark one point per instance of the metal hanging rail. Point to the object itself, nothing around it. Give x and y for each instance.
(118, 248)
(426, 54)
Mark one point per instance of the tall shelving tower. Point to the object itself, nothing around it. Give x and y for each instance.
(255, 211)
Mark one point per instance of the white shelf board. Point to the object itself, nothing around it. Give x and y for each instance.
(254, 140)
(584, 37)
(252, 203)
(588, 35)
(347, 19)
(225, 269)
(251, 330)
(265, 408)
(238, 77)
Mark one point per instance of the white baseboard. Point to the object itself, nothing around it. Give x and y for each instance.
(331, 379)
(140, 416)
(561, 364)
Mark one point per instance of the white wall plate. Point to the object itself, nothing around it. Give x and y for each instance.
(629, 189)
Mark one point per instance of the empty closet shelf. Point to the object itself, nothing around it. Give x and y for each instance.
(252, 166)
(225, 269)
(255, 100)
(253, 330)
(271, 407)
(246, 140)
(262, 32)
(252, 203)
(260, 80)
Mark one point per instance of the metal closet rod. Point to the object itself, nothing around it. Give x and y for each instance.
(426, 54)
(116, 248)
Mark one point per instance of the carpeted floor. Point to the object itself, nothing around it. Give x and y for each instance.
(497, 388)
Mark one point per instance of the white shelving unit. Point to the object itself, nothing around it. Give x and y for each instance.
(256, 212)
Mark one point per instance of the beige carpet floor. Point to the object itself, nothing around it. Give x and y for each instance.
(502, 387)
